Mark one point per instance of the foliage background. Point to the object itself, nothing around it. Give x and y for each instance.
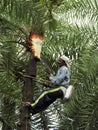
(70, 27)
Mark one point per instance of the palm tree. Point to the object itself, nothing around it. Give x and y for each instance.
(9, 85)
(75, 36)
(16, 23)
(80, 25)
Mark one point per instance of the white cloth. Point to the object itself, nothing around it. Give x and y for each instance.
(62, 77)
(69, 92)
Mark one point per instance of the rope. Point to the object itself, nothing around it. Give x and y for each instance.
(42, 81)
(45, 82)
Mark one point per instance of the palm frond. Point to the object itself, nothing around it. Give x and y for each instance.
(79, 113)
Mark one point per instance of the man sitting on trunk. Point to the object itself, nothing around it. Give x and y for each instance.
(63, 91)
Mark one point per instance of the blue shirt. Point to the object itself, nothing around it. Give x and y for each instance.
(62, 77)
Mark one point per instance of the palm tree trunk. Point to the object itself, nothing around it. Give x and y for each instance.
(27, 93)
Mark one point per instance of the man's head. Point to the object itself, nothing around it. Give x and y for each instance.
(64, 60)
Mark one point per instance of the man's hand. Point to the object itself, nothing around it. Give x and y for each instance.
(48, 72)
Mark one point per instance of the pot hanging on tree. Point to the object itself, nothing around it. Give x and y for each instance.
(35, 44)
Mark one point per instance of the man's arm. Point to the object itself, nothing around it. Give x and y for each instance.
(60, 76)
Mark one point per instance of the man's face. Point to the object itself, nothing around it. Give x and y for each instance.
(60, 62)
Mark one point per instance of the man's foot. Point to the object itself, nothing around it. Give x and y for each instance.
(19, 124)
(27, 104)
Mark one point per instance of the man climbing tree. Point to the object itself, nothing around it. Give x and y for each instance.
(63, 90)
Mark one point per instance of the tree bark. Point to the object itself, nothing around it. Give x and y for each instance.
(27, 94)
